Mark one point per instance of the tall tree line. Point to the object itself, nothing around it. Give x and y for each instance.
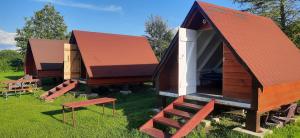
(286, 13)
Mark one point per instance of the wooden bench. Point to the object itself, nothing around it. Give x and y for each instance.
(98, 101)
(18, 86)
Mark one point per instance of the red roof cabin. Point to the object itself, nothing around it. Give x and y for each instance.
(108, 59)
(44, 58)
(237, 58)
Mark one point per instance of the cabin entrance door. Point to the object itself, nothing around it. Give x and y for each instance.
(187, 61)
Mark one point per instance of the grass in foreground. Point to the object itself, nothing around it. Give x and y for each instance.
(27, 116)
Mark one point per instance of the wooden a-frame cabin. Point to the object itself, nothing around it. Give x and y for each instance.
(44, 58)
(236, 58)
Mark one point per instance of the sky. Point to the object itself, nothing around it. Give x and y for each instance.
(109, 16)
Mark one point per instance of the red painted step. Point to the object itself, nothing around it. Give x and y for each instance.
(182, 129)
(179, 113)
(155, 133)
(59, 90)
(167, 121)
(188, 105)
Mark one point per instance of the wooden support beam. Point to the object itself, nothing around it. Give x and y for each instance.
(163, 101)
(253, 121)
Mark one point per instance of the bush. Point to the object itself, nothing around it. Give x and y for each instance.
(4, 66)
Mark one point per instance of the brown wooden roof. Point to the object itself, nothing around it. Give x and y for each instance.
(114, 55)
(47, 54)
(259, 42)
(266, 51)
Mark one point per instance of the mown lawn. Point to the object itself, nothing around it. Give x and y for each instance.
(27, 116)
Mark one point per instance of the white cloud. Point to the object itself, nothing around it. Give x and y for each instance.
(7, 38)
(68, 3)
(10, 47)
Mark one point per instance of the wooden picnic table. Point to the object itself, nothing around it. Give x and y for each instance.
(97, 101)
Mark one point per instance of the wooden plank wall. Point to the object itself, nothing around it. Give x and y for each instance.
(168, 77)
(72, 62)
(278, 95)
(50, 73)
(237, 82)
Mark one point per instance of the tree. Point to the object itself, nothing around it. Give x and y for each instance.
(158, 34)
(10, 59)
(46, 23)
(16, 63)
(285, 13)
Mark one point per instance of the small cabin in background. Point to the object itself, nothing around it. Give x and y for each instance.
(108, 59)
(238, 59)
(44, 58)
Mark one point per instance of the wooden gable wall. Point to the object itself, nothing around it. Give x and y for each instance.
(168, 78)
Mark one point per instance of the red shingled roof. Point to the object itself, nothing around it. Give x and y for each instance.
(47, 54)
(259, 42)
(113, 55)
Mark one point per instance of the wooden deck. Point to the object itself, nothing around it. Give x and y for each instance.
(208, 97)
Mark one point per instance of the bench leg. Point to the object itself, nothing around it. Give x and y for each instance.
(64, 116)
(73, 117)
(6, 96)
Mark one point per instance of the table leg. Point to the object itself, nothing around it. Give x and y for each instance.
(113, 107)
(73, 117)
(103, 107)
(64, 116)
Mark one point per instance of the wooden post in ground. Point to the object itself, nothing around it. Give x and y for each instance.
(103, 108)
(88, 89)
(163, 101)
(113, 107)
(64, 116)
(253, 121)
(73, 117)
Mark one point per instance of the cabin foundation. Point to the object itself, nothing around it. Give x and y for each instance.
(253, 121)
(260, 134)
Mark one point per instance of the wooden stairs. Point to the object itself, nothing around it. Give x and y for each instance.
(175, 109)
(59, 90)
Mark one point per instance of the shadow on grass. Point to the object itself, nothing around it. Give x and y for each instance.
(49, 83)
(13, 77)
(222, 130)
(228, 122)
(136, 106)
(57, 112)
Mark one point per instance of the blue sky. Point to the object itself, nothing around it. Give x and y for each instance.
(111, 16)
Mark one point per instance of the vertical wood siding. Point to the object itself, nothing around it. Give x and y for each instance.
(237, 82)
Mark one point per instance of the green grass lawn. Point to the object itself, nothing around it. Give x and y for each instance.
(27, 116)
